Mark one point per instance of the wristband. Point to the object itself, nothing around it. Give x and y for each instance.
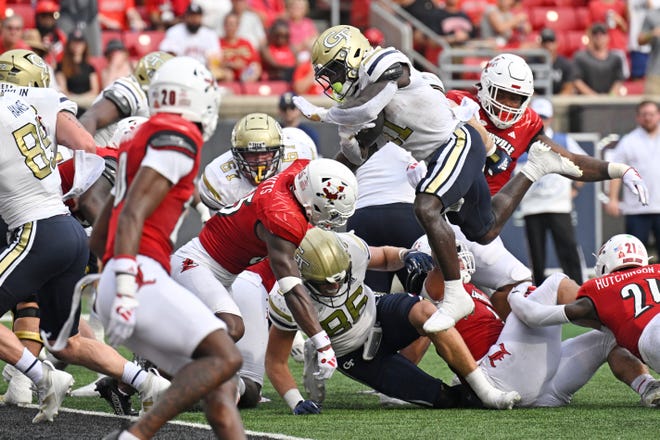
(402, 254)
(125, 264)
(287, 284)
(617, 170)
(320, 340)
(125, 284)
(292, 397)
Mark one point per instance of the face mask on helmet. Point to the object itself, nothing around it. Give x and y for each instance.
(185, 87)
(466, 261)
(23, 68)
(125, 129)
(327, 191)
(619, 252)
(257, 146)
(505, 89)
(336, 57)
(325, 267)
(147, 67)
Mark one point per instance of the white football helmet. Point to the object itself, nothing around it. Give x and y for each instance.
(184, 86)
(509, 73)
(327, 190)
(620, 251)
(125, 129)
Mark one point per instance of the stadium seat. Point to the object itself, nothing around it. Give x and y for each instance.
(266, 88)
(560, 19)
(109, 35)
(233, 87)
(474, 9)
(528, 4)
(141, 43)
(25, 10)
(575, 40)
(583, 17)
(634, 87)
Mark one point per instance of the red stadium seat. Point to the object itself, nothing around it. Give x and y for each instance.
(634, 87)
(474, 9)
(583, 17)
(234, 87)
(141, 43)
(560, 19)
(575, 40)
(266, 88)
(25, 10)
(109, 35)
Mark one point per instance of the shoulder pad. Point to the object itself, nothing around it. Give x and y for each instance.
(119, 100)
(175, 141)
(279, 312)
(392, 73)
(381, 60)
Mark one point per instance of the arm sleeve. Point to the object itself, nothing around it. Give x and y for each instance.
(364, 113)
(535, 314)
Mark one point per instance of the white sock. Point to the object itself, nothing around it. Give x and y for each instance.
(125, 435)
(641, 382)
(480, 385)
(133, 375)
(29, 365)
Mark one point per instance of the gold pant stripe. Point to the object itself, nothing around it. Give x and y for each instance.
(17, 250)
(450, 163)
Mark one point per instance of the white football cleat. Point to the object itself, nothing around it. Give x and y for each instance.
(51, 389)
(651, 396)
(455, 306)
(88, 390)
(298, 347)
(542, 160)
(19, 389)
(391, 402)
(314, 387)
(501, 399)
(152, 389)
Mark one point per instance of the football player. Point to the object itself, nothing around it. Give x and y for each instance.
(419, 117)
(137, 301)
(125, 97)
(623, 299)
(504, 93)
(367, 331)
(545, 370)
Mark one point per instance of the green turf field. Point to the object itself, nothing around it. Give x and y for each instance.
(603, 409)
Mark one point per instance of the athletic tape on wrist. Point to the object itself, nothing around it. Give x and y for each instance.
(617, 170)
(286, 284)
(292, 397)
(321, 339)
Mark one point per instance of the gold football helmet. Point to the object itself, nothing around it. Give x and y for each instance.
(336, 57)
(325, 266)
(24, 68)
(257, 144)
(148, 65)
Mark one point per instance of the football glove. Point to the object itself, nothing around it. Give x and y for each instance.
(305, 407)
(417, 261)
(634, 182)
(327, 363)
(415, 172)
(498, 162)
(311, 111)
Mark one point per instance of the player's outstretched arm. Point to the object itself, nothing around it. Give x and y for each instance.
(101, 114)
(72, 134)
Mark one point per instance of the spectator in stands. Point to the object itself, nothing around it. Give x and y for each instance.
(454, 24)
(302, 28)
(53, 38)
(164, 14)
(83, 15)
(118, 63)
(562, 70)
(650, 34)
(304, 82)
(268, 10)
(215, 12)
(547, 208)
(277, 58)
(290, 116)
(192, 39)
(240, 61)
(10, 35)
(506, 23)
(250, 26)
(120, 15)
(639, 148)
(75, 76)
(614, 13)
(427, 13)
(598, 69)
(639, 53)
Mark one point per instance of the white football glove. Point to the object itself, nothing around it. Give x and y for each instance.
(635, 183)
(122, 319)
(311, 111)
(327, 363)
(415, 172)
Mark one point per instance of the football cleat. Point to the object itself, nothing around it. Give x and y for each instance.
(108, 389)
(19, 390)
(497, 399)
(651, 396)
(152, 389)
(51, 389)
(542, 160)
(314, 387)
(88, 390)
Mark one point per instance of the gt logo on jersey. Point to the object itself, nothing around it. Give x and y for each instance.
(334, 38)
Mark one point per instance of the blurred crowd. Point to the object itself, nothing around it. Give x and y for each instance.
(596, 46)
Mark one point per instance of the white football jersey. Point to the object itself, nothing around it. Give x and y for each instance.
(131, 100)
(349, 325)
(222, 184)
(419, 117)
(30, 188)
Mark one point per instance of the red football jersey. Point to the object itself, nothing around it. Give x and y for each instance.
(67, 168)
(482, 327)
(163, 132)
(229, 236)
(625, 302)
(514, 140)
